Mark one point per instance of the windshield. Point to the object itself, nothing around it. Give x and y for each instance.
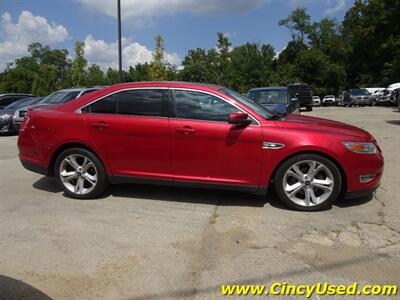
(361, 92)
(22, 102)
(268, 96)
(261, 110)
(59, 97)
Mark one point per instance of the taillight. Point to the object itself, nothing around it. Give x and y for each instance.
(24, 122)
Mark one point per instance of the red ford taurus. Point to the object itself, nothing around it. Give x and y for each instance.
(197, 135)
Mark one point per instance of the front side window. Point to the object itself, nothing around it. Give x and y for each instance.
(145, 102)
(201, 106)
(107, 105)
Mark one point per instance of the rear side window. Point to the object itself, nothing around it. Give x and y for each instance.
(107, 105)
(201, 106)
(141, 103)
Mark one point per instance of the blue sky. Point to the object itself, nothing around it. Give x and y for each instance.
(184, 24)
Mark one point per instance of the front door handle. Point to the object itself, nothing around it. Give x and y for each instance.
(186, 130)
(100, 125)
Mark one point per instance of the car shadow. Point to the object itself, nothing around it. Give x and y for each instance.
(190, 195)
(167, 193)
(393, 122)
(13, 289)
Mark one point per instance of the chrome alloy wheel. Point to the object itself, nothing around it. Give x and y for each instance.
(308, 183)
(78, 174)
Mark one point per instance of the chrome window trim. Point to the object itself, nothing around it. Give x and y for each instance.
(79, 110)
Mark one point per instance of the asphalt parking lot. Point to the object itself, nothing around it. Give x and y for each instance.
(150, 242)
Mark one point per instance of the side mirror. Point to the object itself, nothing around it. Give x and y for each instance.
(239, 119)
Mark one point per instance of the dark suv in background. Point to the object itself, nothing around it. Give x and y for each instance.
(303, 92)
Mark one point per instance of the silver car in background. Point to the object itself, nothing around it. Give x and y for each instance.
(55, 98)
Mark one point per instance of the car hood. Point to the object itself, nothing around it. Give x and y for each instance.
(325, 126)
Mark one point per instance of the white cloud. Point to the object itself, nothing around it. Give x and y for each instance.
(106, 54)
(15, 37)
(300, 3)
(335, 6)
(141, 12)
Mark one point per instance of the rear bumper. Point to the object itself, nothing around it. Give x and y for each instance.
(35, 167)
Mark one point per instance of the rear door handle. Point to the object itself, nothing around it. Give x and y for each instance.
(186, 130)
(100, 125)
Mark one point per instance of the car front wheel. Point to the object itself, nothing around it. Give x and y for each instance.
(80, 173)
(308, 182)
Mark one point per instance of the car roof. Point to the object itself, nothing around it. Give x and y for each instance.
(282, 88)
(181, 84)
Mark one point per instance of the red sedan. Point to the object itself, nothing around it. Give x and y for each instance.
(197, 135)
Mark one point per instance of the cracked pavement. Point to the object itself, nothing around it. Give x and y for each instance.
(151, 242)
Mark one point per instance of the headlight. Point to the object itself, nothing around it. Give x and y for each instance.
(359, 147)
(5, 117)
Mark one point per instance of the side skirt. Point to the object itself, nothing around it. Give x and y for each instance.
(191, 184)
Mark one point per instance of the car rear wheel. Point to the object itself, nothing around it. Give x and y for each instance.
(80, 173)
(308, 182)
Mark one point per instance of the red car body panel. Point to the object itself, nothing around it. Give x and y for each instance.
(177, 150)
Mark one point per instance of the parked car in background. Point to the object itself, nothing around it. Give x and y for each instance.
(7, 99)
(55, 98)
(357, 97)
(388, 95)
(396, 96)
(276, 99)
(377, 97)
(316, 100)
(304, 93)
(6, 114)
(190, 134)
(328, 100)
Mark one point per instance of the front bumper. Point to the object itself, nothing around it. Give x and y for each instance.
(358, 166)
(6, 126)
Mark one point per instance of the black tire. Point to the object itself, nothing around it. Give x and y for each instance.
(279, 178)
(309, 107)
(102, 181)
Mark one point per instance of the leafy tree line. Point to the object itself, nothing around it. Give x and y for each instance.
(362, 50)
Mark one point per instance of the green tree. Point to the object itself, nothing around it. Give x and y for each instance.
(112, 76)
(78, 71)
(45, 80)
(157, 70)
(140, 72)
(95, 76)
(298, 24)
(197, 67)
(371, 31)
